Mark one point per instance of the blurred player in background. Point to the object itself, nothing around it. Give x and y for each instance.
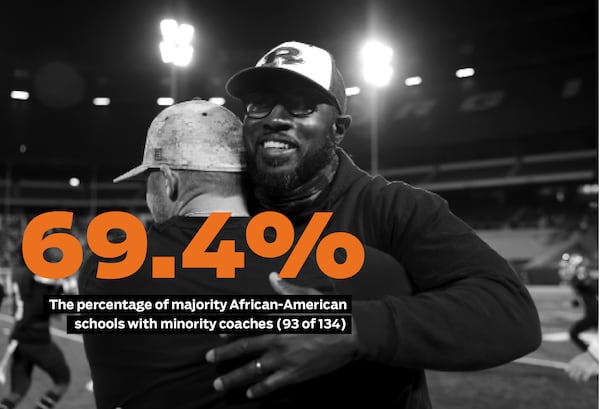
(30, 342)
(583, 366)
(581, 273)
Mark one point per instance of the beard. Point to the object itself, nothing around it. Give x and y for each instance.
(276, 184)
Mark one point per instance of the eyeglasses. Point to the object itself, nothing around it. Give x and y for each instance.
(259, 106)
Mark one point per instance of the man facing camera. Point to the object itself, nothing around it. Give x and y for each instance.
(467, 309)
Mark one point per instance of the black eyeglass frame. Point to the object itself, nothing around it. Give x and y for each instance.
(305, 105)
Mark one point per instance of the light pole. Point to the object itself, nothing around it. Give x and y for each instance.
(377, 71)
(176, 49)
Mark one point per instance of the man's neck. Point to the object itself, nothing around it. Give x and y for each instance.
(304, 199)
(205, 204)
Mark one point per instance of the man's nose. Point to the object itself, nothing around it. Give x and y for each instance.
(279, 118)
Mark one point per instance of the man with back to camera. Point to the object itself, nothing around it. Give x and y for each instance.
(469, 309)
(193, 165)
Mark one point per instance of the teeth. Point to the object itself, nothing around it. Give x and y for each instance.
(276, 145)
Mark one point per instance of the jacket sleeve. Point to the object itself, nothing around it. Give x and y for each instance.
(469, 311)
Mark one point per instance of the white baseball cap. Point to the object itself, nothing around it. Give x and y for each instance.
(193, 135)
(293, 60)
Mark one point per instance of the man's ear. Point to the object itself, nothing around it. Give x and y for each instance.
(171, 182)
(342, 123)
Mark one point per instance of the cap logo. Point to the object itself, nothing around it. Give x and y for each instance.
(284, 56)
(306, 63)
(158, 154)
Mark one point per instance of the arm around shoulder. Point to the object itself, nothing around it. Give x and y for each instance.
(470, 310)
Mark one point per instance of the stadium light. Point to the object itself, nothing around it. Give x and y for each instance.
(465, 72)
(377, 71)
(217, 100)
(588, 189)
(74, 182)
(412, 81)
(176, 48)
(20, 95)
(377, 58)
(351, 91)
(165, 101)
(101, 101)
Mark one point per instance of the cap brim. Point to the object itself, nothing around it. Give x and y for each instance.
(133, 173)
(263, 78)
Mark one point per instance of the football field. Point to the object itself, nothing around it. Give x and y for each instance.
(535, 382)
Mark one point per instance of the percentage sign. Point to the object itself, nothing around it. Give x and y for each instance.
(325, 251)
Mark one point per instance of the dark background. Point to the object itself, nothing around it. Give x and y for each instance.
(534, 92)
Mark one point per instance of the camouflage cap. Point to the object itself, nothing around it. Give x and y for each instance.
(193, 135)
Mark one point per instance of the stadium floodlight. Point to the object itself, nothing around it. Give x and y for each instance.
(20, 95)
(412, 81)
(377, 58)
(217, 100)
(168, 29)
(589, 189)
(165, 101)
(465, 72)
(101, 101)
(74, 182)
(377, 71)
(176, 47)
(351, 91)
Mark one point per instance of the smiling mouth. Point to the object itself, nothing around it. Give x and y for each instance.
(274, 146)
(276, 153)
